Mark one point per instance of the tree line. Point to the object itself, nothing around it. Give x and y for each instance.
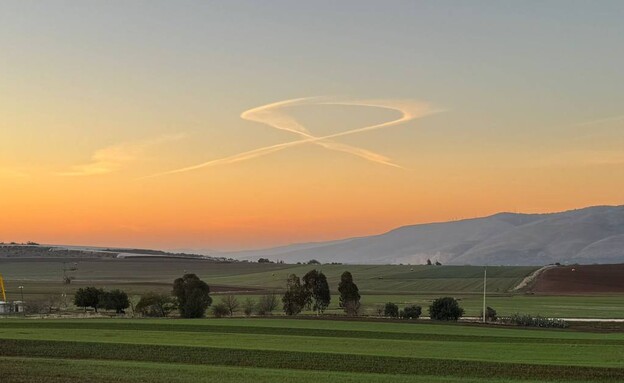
(190, 296)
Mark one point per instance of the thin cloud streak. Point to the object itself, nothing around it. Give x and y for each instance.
(409, 109)
(112, 158)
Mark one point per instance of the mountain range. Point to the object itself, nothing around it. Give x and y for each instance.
(588, 235)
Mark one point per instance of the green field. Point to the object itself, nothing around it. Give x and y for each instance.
(376, 279)
(285, 350)
(401, 284)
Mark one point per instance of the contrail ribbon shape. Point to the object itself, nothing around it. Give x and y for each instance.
(272, 115)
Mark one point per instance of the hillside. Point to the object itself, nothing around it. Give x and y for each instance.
(589, 235)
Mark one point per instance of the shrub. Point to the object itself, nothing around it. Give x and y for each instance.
(220, 310)
(36, 307)
(490, 315)
(267, 304)
(155, 305)
(411, 312)
(391, 310)
(379, 310)
(528, 320)
(445, 308)
(249, 306)
(231, 303)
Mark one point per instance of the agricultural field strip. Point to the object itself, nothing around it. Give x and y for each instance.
(304, 360)
(359, 325)
(43, 370)
(284, 331)
(555, 354)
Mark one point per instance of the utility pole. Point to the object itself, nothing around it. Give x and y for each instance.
(484, 289)
(21, 288)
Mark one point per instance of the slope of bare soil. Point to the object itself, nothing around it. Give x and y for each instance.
(581, 279)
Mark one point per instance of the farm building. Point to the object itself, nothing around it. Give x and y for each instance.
(11, 307)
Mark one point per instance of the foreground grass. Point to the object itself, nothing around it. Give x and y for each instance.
(394, 339)
(305, 361)
(41, 370)
(286, 350)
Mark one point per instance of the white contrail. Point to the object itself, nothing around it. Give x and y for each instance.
(272, 116)
(409, 110)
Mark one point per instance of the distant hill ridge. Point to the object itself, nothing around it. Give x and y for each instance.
(589, 235)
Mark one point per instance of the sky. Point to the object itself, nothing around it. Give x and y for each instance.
(243, 124)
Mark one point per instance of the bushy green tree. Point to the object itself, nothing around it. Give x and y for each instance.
(349, 294)
(411, 312)
(318, 294)
(446, 308)
(88, 297)
(391, 310)
(114, 300)
(295, 297)
(155, 305)
(193, 296)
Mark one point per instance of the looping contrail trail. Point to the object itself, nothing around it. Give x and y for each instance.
(272, 115)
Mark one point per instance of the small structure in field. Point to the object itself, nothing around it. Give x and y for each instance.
(11, 307)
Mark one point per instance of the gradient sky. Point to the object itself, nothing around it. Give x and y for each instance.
(523, 110)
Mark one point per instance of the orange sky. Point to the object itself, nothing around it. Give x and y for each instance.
(127, 127)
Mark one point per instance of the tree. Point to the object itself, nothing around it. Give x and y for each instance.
(391, 310)
(428, 262)
(114, 300)
(349, 294)
(411, 312)
(231, 303)
(193, 296)
(155, 305)
(490, 315)
(438, 263)
(220, 310)
(318, 294)
(264, 260)
(267, 304)
(249, 306)
(296, 296)
(88, 297)
(313, 262)
(446, 308)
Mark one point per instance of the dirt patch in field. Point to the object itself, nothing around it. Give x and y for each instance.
(581, 279)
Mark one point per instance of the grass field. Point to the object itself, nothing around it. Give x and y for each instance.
(377, 279)
(286, 350)
(401, 284)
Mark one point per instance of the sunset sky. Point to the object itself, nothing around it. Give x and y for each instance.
(230, 125)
